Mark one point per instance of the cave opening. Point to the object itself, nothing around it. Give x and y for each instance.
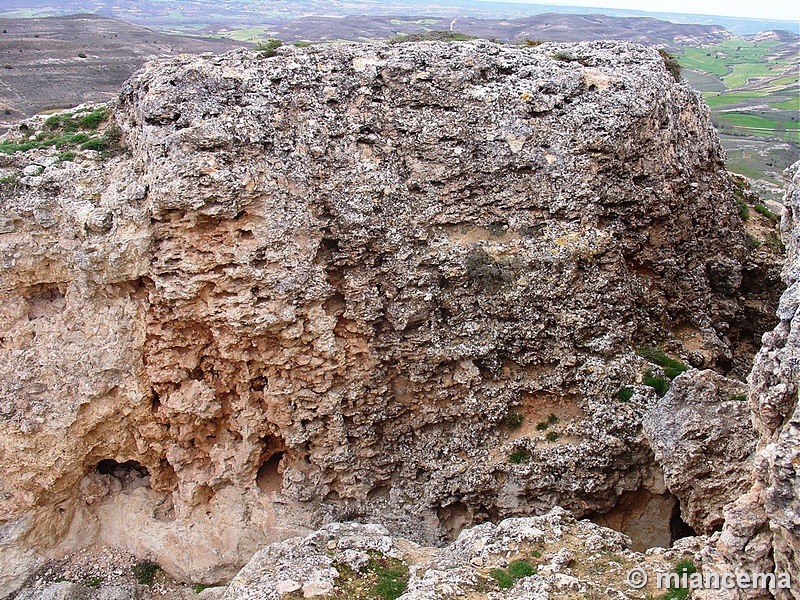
(269, 477)
(453, 518)
(679, 528)
(132, 474)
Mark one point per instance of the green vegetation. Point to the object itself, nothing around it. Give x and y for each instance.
(433, 36)
(199, 587)
(671, 63)
(739, 397)
(751, 89)
(69, 131)
(144, 572)
(517, 569)
(552, 436)
(519, 456)
(552, 419)
(775, 243)
(93, 582)
(680, 593)
(384, 578)
(520, 568)
(625, 394)
(753, 241)
(672, 368)
(659, 384)
(514, 420)
(269, 48)
(502, 578)
(9, 183)
(763, 210)
(66, 156)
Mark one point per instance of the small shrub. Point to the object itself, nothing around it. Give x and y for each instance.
(744, 208)
(519, 456)
(514, 420)
(625, 394)
(763, 210)
(502, 578)
(672, 368)
(753, 241)
(144, 572)
(739, 397)
(520, 568)
(542, 425)
(94, 582)
(66, 156)
(671, 64)
(685, 566)
(97, 144)
(775, 243)
(9, 183)
(552, 419)
(94, 118)
(563, 56)
(552, 436)
(269, 48)
(658, 384)
(199, 587)
(536, 554)
(302, 44)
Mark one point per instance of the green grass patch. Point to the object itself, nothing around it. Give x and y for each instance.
(519, 456)
(199, 587)
(502, 578)
(659, 384)
(739, 397)
(763, 210)
(792, 104)
(93, 582)
(672, 368)
(742, 72)
(384, 578)
(723, 99)
(552, 436)
(625, 394)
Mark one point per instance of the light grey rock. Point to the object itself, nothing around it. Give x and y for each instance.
(703, 438)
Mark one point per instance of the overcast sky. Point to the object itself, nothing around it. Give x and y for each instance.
(788, 10)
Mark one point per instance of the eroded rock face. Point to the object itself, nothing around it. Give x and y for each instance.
(702, 437)
(762, 529)
(320, 284)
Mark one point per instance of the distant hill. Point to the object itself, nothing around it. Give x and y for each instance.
(59, 62)
(549, 26)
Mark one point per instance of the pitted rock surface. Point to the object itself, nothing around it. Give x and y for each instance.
(319, 285)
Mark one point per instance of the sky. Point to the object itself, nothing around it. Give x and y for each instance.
(787, 10)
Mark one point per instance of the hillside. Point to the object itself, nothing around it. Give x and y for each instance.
(60, 62)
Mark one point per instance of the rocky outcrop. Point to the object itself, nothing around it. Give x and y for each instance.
(520, 558)
(703, 439)
(397, 283)
(762, 529)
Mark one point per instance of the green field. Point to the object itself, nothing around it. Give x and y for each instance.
(752, 91)
(715, 100)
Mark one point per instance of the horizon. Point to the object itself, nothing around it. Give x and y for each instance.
(778, 10)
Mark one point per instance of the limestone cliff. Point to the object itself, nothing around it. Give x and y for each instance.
(396, 283)
(762, 529)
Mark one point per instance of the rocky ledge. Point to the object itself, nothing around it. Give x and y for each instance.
(424, 285)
